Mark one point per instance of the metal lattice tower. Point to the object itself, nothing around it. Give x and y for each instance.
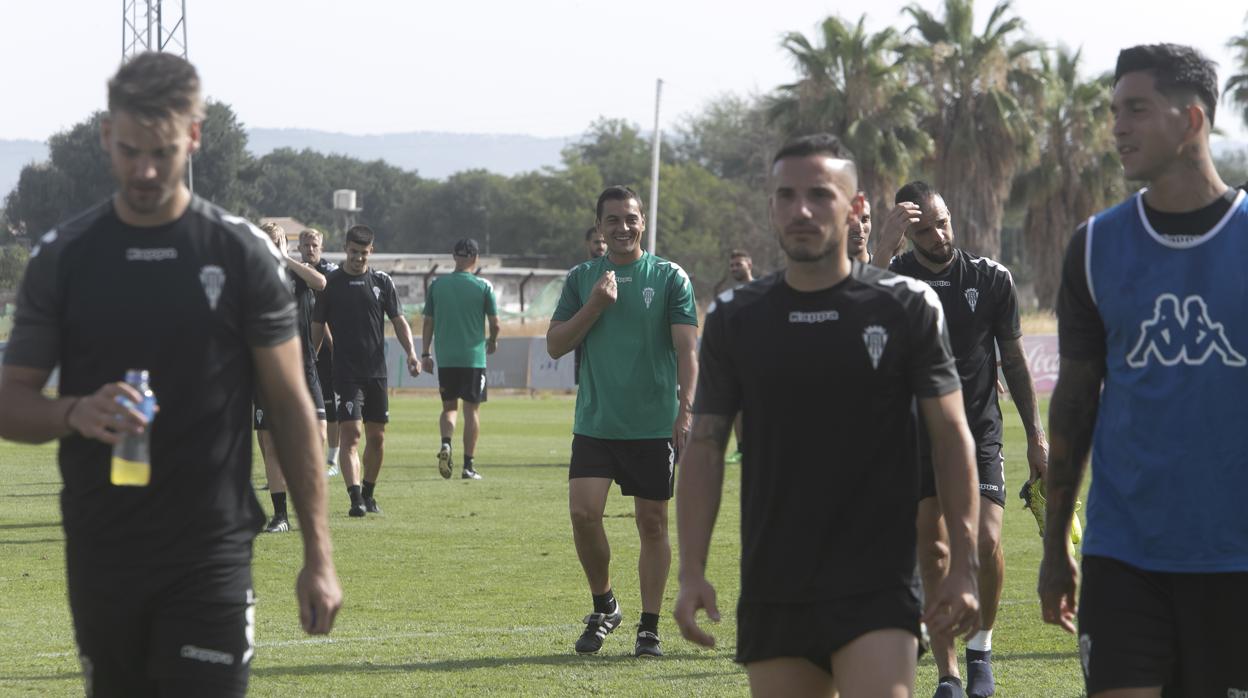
(153, 25)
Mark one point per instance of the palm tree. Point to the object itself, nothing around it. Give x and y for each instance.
(1237, 84)
(850, 85)
(982, 88)
(1077, 172)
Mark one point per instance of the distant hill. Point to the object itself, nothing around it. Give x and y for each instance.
(432, 155)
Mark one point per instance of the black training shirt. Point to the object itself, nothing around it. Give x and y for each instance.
(325, 356)
(981, 306)
(187, 301)
(825, 382)
(356, 308)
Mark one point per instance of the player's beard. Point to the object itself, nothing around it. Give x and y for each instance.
(796, 253)
(934, 257)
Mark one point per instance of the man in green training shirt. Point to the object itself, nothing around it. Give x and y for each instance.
(634, 315)
(456, 309)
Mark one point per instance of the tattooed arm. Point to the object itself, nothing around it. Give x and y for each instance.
(1018, 378)
(1072, 417)
(697, 505)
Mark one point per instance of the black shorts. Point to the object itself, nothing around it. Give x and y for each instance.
(1183, 632)
(325, 374)
(458, 383)
(989, 460)
(643, 468)
(366, 399)
(188, 632)
(314, 389)
(816, 631)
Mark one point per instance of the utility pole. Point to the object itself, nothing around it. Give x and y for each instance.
(155, 25)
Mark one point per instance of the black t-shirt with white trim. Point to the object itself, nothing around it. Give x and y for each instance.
(187, 301)
(356, 308)
(825, 382)
(981, 305)
(326, 354)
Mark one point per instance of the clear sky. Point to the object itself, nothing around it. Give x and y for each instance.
(543, 67)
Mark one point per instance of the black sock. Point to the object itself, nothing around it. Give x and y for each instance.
(446, 441)
(354, 492)
(279, 503)
(604, 603)
(650, 621)
(368, 489)
(468, 462)
(951, 679)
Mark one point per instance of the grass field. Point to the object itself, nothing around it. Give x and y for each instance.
(469, 588)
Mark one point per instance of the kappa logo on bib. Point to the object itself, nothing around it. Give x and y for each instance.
(1182, 334)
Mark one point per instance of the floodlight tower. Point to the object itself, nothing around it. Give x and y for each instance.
(155, 25)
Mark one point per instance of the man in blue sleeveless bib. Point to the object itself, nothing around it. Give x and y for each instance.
(1153, 330)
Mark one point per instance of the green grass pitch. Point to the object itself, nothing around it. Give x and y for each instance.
(470, 588)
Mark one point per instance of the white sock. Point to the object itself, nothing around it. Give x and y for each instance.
(332, 458)
(980, 641)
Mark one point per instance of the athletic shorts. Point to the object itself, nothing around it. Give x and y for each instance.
(314, 389)
(643, 468)
(366, 399)
(186, 632)
(325, 374)
(1181, 631)
(816, 631)
(457, 383)
(989, 460)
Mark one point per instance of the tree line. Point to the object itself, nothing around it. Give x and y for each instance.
(1005, 126)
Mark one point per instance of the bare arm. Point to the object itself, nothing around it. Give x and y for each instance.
(28, 416)
(685, 340)
(1023, 391)
(955, 610)
(313, 278)
(697, 506)
(403, 332)
(426, 343)
(564, 336)
(491, 342)
(320, 333)
(279, 375)
(1072, 418)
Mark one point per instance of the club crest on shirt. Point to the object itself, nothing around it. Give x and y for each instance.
(1182, 333)
(875, 337)
(213, 279)
(260, 415)
(377, 292)
(647, 294)
(972, 297)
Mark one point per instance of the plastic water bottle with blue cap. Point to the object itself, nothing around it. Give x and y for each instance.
(132, 460)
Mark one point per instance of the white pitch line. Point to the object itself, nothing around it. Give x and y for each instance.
(341, 639)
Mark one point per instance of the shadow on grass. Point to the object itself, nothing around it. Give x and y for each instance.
(46, 677)
(33, 494)
(33, 541)
(1010, 656)
(40, 524)
(451, 665)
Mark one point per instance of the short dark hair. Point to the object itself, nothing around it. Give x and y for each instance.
(916, 192)
(813, 144)
(360, 235)
(592, 229)
(738, 253)
(618, 192)
(156, 87)
(1178, 71)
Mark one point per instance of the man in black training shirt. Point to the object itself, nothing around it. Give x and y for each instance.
(981, 306)
(305, 281)
(310, 247)
(354, 304)
(159, 576)
(824, 360)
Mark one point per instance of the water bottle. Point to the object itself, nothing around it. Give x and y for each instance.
(132, 460)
